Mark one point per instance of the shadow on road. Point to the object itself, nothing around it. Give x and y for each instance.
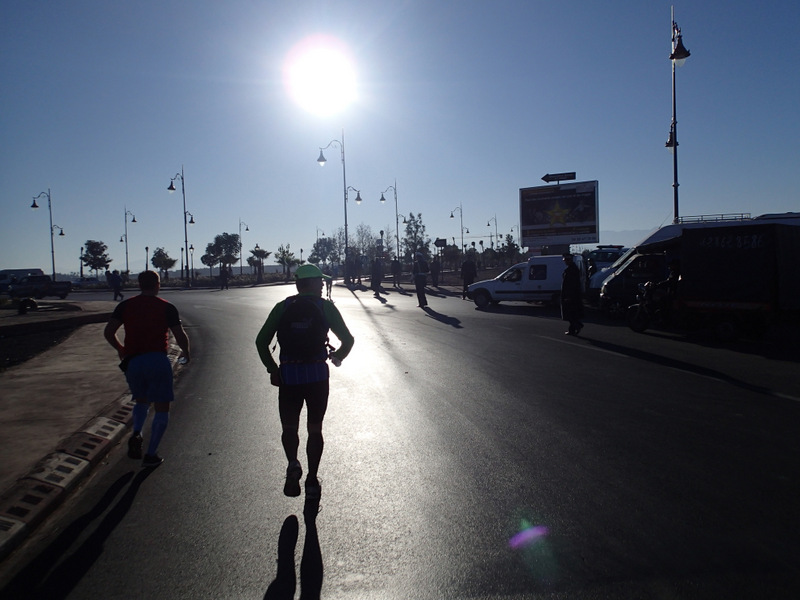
(39, 579)
(311, 568)
(452, 321)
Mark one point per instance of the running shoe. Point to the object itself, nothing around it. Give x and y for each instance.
(293, 474)
(135, 446)
(151, 461)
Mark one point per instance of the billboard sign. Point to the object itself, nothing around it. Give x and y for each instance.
(552, 215)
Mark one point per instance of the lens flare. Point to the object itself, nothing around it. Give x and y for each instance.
(527, 537)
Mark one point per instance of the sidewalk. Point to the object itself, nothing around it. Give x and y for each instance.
(60, 412)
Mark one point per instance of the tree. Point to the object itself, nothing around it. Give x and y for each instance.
(416, 240)
(365, 241)
(162, 261)
(227, 247)
(94, 256)
(324, 251)
(286, 259)
(259, 255)
(211, 257)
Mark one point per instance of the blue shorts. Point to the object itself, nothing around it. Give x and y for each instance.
(150, 377)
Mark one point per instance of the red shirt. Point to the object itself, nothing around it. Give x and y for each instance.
(147, 321)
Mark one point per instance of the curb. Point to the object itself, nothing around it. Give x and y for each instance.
(36, 495)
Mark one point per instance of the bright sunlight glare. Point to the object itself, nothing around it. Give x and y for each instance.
(320, 75)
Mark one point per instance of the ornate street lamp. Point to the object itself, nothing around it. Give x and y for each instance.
(125, 236)
(678, 57)
(171, 189)
(396, 214)
(246, 228)
(53, 228)
(322, 160)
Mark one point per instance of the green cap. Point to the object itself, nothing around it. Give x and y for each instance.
(309, 272)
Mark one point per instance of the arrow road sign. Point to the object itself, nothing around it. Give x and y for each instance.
(558, 177)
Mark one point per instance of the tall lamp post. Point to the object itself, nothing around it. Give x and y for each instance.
(461, 215)
(322, 160)
(191, 253)
(489, 224)
(678, 57)
(246, 228)
(34, 206)
(125, 235)
(396, 214)
(171, 189)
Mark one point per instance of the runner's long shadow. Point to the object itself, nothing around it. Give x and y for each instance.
(34, 581)
(311, 567)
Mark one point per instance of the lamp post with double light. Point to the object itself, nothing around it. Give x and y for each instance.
(125, 236)
(246, 228)
(678, 57)
(396, 214)
(34, 206)
(461, 215)
(322, 160)
(171, 189)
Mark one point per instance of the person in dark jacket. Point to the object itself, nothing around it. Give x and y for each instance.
(571, 296)
(468, 273)
(420, 272)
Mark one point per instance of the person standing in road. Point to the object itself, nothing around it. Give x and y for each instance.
(224, 274)
(397, 271)
(571, 296)
(468, 273)
(301, 323)
(147, 321)
(115, 281)
(435, 270)
(420, 270)
(376, 276)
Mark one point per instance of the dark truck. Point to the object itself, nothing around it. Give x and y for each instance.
(740, 278)
(736, 279)
(39, 286)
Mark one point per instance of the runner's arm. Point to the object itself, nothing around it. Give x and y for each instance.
(264, 338)
(340, 330)
(110, 333)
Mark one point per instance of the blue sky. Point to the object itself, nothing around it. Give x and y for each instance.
(460, 103)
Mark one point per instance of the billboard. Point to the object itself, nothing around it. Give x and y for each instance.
(552, 215)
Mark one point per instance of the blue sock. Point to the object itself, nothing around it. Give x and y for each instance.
(140, 410)
(159, 426)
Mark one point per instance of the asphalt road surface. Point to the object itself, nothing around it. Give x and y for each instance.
(468, 454)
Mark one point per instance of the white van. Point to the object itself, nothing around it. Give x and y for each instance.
(538, 280)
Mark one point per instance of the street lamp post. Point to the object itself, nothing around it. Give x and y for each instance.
(678, 57)
(461, 216)
(34, 206)
(191, 253)
(489, 224)
(146, 257)
(171, 189)
(125, 235)
(396, 214)
(246, 228)
(322, 160)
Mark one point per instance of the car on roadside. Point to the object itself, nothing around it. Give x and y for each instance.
(538, 280)
(84, 282)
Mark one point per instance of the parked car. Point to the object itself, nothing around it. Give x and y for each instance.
(82, 282)
(9, 276)
(39, 286)
(538, 280)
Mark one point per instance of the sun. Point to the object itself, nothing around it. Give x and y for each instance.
(320, 76)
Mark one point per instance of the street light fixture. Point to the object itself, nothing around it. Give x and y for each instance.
(171, 189)
(246, 228)
(488, 224)
(678, 57)
(396, 214)
(34, 206)
(125, 235)
(321, 160)
(461, 215)
(191, 253)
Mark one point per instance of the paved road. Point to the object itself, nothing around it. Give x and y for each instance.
(634, 466)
